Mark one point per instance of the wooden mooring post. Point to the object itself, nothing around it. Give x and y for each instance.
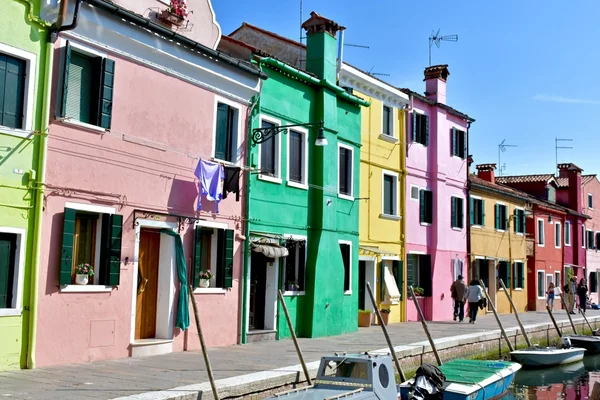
(510, 346)
(516, 314)
(425, 327)
(562, 298)
(294, 338)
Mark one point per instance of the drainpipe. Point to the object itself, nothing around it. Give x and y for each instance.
(403, 210)
(468, 207)
(58, 27)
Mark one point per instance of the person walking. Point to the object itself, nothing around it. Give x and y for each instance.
(582, 290)
(458, 290)
(550, 296)
(570, 290)
(474, 294)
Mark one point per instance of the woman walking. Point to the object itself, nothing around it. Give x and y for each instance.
(582, 290)
(550, 296)
(474, 294)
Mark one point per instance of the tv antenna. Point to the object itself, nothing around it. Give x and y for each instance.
(376, 73)
(501, 149)
(436, 39)
(556, 147)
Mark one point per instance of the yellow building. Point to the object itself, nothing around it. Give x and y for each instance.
(498, 238)
(382, 192)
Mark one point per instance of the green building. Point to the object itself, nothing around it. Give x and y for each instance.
(23, 85)
(302, 218)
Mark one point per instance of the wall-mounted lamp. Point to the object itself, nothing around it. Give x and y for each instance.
(261, 135)
(549, 218)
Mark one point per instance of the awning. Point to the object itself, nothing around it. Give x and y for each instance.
(270, 250)
(391, 287)
(374, 251)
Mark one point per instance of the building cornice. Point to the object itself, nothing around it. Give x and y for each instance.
(366, 84)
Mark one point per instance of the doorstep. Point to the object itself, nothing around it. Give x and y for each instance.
(151, 347)
(261, 335)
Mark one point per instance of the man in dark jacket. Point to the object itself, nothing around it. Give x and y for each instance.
(459, 294)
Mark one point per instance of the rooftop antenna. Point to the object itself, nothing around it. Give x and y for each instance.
(556, 147)
(435, 38)
(376, 73)
(501, 149)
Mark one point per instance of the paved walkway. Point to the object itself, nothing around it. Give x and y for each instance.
(129, 376)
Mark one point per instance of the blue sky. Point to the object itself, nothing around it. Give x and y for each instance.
(525, 70)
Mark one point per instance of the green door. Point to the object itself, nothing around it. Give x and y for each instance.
(7, 269)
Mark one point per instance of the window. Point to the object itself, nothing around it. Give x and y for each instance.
(269, 153)
(541, 235)
(593, 282)
(398, 272)
(213, 252)
(518, 275)
(93, 238)
(557, 279)
(295, 265)
(226, 134)
(541, 288)
(420, 132)
(297, 157)
(456, 212)
(414, 192)
(591, 243)
(418, 272)
(12, 93)
(520, 221)
(567, 233)
(590, 201)
(390, 194)
(597, 240)
(346, 169)
(477, 211)
(459, 143)
(482, 271)
(504, 273)
(557, 233)
(346, 250)
(582, 236)
(88, 84)
(12, 260)
(501, 217)
(388, 122)
(425, 206)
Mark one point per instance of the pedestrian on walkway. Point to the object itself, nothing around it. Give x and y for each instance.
(474, 294)
(582, 290)
(458, 291)
(571, 291)
(550, 296)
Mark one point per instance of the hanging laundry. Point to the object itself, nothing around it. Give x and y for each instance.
(232, 182)
(211, 177)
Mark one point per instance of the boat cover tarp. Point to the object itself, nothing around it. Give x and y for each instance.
(470, 372)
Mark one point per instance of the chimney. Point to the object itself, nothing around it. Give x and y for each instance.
(486, 172)
(573, 173)
(321, 46)
(435, 83)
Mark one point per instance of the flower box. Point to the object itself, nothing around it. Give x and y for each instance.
(204, 283)
(170, 18)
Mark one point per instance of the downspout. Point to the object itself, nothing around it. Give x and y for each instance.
(403, 208)
(57, 27)
(468, 208)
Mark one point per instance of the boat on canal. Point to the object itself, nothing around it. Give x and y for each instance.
(542, 357)
(590, 343)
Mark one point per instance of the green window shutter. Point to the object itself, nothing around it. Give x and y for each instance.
(414, 130)
(105, 101)
(66, 258)
(497, 213)
(523, 222)
(12, 91)
(65, 82)
(425, 274)
(422, 205)
(426, 119)
(410, 264)
(114, 248)
(460, 209)
(398, 267)
(463, 146)
(197, 257)
(522, 274)
(382, 281)
(228, 259)
(453, 211)
(454, 142)
(516, 221)
(472, 211)
(482, 213)
(429, 207)
(221, 134)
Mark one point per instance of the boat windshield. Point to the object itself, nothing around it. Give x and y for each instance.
(346, 371)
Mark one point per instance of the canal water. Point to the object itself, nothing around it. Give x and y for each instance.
(573, 381)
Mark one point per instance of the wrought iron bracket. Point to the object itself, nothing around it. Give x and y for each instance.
(261, 135)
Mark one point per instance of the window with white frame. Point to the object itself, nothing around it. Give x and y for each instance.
(567, 233)
(541, 233)
(388, 121)
(583, 236)
(295, 265)
(591, 243)
(345, 170)
(213, 254)
(518, 275)
(459, 143)
(269, 152)
(418, 272)
(297, 157)
(414, 192)
(557, 279)
(226, 132)
(390, 194)
(346, 252)
(12, 258)
(477, 217)
(501, 212)
(17, 74)
(557, 235)
(590, 201)
(541, 288)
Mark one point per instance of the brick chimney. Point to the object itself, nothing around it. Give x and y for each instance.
(486, 172)
(573, 173)
(321, 46)
(435, 83)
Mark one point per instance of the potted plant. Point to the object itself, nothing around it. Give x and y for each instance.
(83, 272)
(385, 315)
(292, 286)
(364, 318)
(175, 13)
(419, 291)
(205, 277)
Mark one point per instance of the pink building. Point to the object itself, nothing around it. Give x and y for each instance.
(436, 203)
(134, 110)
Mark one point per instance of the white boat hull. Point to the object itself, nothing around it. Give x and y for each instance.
(547, 356)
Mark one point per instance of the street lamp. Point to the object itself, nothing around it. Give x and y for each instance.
(261, 135)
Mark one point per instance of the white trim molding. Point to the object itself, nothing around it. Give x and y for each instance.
(304, 166)
(16, 308)
(364, 83)
(342, 195)
(395, 195)
(349, 243)
(239, 128)
(277, 177)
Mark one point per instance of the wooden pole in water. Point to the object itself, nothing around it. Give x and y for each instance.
(562, 298)
(588, 322)
(516, 314)
(294, 338)
(510, 346)
(425, 328)
(553, 321)
(211, 378)
(385, 333)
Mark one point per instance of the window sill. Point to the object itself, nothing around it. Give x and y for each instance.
(85, 289)
(16, 132)
(10, 312)
(500, 230)
(519, 234)
(345, 197)
(540, 245)
(477, 226)
(425, 223)
(74, 122)
(388, 138)
(457, 229)
(419, 143)
(297, 185)
(209, 291)
(294, 293)
(390, 217)
(459, 157)
(224, 162)
(268, 178)
(348, 293)
(518, 289)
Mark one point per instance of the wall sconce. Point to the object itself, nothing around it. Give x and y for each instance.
(261, 135)
(549, 218)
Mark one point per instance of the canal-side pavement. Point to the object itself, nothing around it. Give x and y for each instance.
(182, 375)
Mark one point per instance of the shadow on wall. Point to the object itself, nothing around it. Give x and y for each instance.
(54, 253)
(183, 198)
